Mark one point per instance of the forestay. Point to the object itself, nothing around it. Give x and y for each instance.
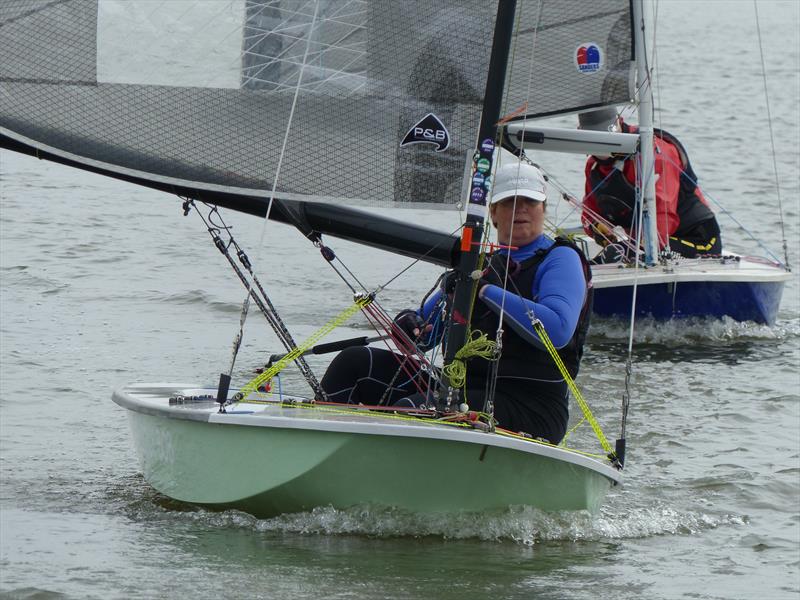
(198, 93)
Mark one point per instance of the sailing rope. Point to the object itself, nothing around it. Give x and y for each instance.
(361, 301)
(407, 351)
(477, 346)
(263, 302)
(277, 325)
(576, 393)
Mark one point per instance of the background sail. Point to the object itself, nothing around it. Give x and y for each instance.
(571, 55)
(199, 93)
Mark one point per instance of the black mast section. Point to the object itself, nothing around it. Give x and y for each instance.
(483, 160)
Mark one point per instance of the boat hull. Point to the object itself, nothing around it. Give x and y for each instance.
(743, 290)
(275, 460)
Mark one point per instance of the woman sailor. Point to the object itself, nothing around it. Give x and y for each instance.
(532, 277)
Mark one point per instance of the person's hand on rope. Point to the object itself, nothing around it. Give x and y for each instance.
(603, 234)
(411, 324)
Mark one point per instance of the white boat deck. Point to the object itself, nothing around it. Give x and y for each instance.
(737, 269)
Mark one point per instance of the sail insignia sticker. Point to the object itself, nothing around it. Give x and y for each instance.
(589, 58)
(429, 130)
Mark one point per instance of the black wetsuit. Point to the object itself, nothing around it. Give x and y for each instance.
(530, 394)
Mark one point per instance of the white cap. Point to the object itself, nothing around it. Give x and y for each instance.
(518, 179)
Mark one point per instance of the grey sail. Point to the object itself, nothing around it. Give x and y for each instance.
(199, 94)
(572, 55)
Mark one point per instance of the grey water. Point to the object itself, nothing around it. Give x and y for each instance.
(102, 284)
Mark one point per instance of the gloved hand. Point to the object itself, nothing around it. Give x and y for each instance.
(603, 234)
(616, 210)
(411, 324)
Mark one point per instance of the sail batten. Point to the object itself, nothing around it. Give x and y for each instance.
(199, 91)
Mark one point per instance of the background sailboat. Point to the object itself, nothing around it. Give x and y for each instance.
(734, 285)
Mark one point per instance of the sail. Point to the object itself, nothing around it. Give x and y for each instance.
(358, 102)
(570, 55)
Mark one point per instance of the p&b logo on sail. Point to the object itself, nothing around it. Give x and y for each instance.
(429, 130)
(588, 58)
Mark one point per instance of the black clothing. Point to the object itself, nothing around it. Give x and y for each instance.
(530, 392)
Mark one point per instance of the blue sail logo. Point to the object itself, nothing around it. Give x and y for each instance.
(429, 130)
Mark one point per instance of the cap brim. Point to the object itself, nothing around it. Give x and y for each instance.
(536, 195)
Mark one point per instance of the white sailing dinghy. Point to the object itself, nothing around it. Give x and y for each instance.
(744, 288)
(223, 103)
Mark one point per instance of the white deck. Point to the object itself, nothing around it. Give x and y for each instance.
(728, 270)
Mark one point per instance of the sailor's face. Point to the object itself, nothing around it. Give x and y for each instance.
(519, 220)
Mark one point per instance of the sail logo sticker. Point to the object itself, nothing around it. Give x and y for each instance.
(429, 130)
(588, 58)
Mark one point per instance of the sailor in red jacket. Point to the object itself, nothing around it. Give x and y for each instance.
(683, 218)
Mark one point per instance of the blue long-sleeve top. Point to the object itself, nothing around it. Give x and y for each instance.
(559, 289)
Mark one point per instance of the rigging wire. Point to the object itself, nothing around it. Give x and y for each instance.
(477, 347)
(378, 318)
(640, 29)
(728, 213)
(249, 280)
(771, 134)
(262, 301)
(626, 394)
(419, 258)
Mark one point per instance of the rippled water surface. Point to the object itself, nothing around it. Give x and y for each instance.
(103, 284)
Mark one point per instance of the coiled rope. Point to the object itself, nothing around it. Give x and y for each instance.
(480, 346)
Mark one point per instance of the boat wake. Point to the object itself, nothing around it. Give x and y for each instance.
(520, 525)
(705, 330)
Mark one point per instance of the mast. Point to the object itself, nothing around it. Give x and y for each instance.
(642, 18)
(483, 163)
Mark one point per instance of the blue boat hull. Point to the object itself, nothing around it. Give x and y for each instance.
(741, 301)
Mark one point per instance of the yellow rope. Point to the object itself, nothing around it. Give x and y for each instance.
(267, 375)
(350, 409)
(430, 421)
(480, 346)
(587, 413)
(572, 430)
